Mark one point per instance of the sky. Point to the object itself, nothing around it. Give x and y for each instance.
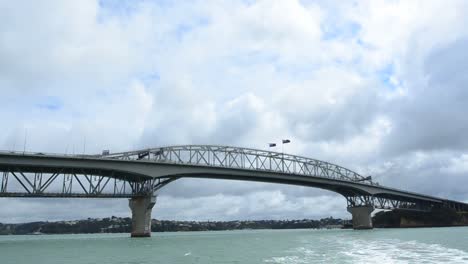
(379, 87)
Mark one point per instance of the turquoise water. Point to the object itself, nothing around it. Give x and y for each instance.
(425, 245)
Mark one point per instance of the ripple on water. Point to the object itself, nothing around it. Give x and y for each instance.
(396, 251)
(346, 250)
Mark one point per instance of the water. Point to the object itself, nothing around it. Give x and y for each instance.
(425, 245)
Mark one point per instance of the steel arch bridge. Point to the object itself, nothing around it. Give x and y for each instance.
(140, 173)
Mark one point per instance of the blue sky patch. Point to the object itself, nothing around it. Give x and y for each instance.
(50, 103)
(149, 78)
(121, 8)
(336, 31)
(385, 75)
(185, 28)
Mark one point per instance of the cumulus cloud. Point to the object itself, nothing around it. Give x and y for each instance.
(376, 86)
(431, 116)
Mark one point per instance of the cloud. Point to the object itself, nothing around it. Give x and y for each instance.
(431, 116)
(256, 206)
(375, 86)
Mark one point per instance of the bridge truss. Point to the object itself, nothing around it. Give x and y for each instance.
(243, 158)
(16, 183)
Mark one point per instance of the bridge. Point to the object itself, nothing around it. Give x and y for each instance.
(138, 175)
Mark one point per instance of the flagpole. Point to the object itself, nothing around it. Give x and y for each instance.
(271, 145)
(283, 141)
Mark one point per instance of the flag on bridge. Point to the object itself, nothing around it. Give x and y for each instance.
(286, 141)
(272, 145)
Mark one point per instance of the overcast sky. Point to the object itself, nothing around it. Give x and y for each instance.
(379, 87)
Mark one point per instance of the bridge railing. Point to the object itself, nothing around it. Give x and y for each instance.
(243, 158)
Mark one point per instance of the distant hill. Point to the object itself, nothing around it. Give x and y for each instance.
(123, 225)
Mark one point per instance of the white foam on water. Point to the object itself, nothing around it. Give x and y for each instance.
(343, 249)
(287, 260)
(308, 254)
(397, 251)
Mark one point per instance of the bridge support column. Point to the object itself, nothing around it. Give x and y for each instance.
(361, 216)
(141, 215)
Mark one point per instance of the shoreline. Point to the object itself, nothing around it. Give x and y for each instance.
(123, 225)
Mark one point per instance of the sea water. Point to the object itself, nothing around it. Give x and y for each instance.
(422, 245)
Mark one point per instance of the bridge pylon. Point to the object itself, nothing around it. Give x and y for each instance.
(141, 215)
(361, 216)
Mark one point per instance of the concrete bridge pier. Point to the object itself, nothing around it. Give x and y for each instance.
(141, 215)
(361, 216)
